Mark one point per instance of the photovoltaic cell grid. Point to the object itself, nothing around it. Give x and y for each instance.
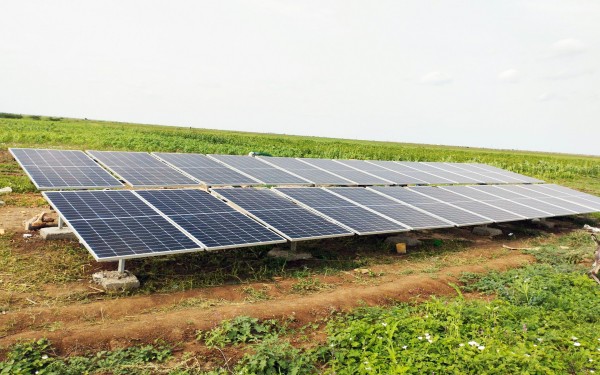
(466, 203)
(405, 214)
(357, 218)
(206, 170)
(260, 171)
(140, 169)
(517, 208)
(294, 222)
(307, 171)
(381, 172)
(62, 169)
(456, 215)
(563, 203)
(117, 224)
(568, 194)
(352, 174)
(420, 177)
(215, 224)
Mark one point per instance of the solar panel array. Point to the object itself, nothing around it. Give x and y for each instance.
(140, 169)
(62, 169)
(120, 224)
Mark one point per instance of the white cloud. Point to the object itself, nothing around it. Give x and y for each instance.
(510, 76)
(550, 96)
(569, 74)
(568, 47)
(436, 78)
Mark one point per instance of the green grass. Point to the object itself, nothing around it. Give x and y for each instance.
(582, 172)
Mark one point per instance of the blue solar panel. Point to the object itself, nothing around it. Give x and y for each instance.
(259, 170)
(215, 224)
(141, 169)
(359, 219)
(294, 222)
(206, 170)
(63, 169)
(117, 224)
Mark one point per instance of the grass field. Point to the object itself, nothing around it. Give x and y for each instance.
(458, 304)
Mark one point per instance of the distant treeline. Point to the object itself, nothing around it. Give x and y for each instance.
(33, 117)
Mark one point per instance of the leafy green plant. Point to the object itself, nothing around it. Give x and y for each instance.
(241, 329)
(310, 285)
(28, 358)
(274, 356)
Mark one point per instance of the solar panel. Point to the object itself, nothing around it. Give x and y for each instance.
(407, 169)
(470, 204)
(140, 169)
(459, 216)
(206, 170)
(552, 199)
(62, 169)
(484, 176)
(357, 218)
(422, 167)
(259, 170)
(117, 224)
(306, 171)
(211, 221)
(561, 191)
(506, 174)
(379, 171)
(515, 197)
(459, 175)
(517, 208)
(361, 178)
(405, 214)
(290, 220)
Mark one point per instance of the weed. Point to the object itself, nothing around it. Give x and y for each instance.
(310, 285)
(241, 329)
(254, 295)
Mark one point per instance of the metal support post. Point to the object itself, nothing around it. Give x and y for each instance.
(121, 267)
(60, 222)
(293, 245)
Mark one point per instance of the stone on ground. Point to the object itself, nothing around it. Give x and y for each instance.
(55, 233)
(288, 254)
(116, 281)
(5, 190)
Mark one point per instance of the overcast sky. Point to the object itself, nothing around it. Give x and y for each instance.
(500, 74)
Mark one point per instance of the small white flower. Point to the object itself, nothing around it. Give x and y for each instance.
(380, 338)
(331, 345)
(473, 343)
(591, 360)
(430, 340)
(534, 345)
(368, 368)
(481, 347)
(576, 344)
(404, 347)
(426, 334)
(384, 324)
(540, 339)
(420, 338)
(45, 356)
(574, 338)
(527, 355)
(461, 344)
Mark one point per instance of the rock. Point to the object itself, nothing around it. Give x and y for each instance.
(2, 231)
(116, 281)
(5, 190)
(409, 241)
(56, 233)
(288, 255)
(487, 231)
(2, 203)
(39, 221)
(27, 235)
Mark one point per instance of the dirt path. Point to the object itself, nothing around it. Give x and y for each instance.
(175, 317)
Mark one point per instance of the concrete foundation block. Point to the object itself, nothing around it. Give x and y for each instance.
(54, 233)
(288, 255)
(485, 231)
(116, 281)
(409, 241)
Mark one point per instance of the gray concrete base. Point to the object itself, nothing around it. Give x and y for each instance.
(115, 280)
(486, 231)
(409, 241)
(5, 190)
(288, 255)
(54, 233)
